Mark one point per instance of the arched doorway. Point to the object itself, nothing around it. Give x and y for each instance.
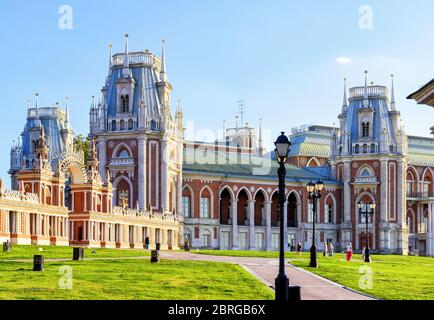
(225, 207)
(260, 218)
(123, 193)
(275, 210)
(292, 211)
(243, 208)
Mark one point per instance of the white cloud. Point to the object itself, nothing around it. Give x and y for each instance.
(344, 60)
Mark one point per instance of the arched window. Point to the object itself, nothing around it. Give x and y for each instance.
(365, 130)
(125, 101)
(365, 148)
(373, 148)
(130, 124)
(113, 125)
(357, 149)
(123, 154)
(122, 125)
(205, 209)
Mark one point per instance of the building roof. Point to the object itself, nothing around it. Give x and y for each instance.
(424, 95)
(311, 141)
(247, 166)
(421, 151)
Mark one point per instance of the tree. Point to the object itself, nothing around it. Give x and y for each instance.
(82, 144)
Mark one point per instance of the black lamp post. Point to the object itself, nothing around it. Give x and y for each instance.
(314, 193)
(282, 149)
(367, 213)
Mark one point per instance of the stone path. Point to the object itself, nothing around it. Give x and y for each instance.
(312, 286)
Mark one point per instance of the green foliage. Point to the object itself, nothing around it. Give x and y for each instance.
(82, 144)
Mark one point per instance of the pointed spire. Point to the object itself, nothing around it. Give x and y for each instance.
(126, 57)
(366, 97)
(126, 68)
(178, 106)
(392, 100)
(110, 59)
(66, 111)
(36, 106)
(28, 104)
(260, 147)
(2, 186)
(163, 74)
(345, 100)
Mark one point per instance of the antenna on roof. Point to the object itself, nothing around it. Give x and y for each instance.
(242, 109)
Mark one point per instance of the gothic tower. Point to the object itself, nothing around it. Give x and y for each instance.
(138, 139)
(368, 154)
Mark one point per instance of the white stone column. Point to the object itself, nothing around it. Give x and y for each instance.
(268, 240)
(102, 157)
(384, 217)
(383, 193)
(251, 207)
(430, 231)
(285, 226)
(164, 173)
(234, 208)
(141, 179)
(347, 191)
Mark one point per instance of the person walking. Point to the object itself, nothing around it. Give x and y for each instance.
(349, 251)
(325, 249)
(363, 253)
(299, 249)
(331, 249)
(147, 243)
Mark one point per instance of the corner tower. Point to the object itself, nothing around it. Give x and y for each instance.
(368, 154)
(139, 140)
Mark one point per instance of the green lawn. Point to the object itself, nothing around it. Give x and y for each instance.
(246, 253)
(116, 278)
(52, 252)
(393, 277)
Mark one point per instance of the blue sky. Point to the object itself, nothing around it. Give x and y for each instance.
(281, 56)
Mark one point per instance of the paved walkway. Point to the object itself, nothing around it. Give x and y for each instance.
(312, 286)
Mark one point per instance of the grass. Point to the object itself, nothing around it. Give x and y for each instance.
(52, 252)
(246, 253)
(124, 279)
(393, 277)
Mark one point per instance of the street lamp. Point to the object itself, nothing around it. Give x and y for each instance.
(282, 149)
(367, 213)
(314, 194)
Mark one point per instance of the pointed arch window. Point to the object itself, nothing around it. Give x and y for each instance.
(125, 102)
(365, 130)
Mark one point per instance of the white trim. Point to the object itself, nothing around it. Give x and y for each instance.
(118, 147)
(211, 213)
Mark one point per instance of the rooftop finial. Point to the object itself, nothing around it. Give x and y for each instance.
(66, 110)
(366, 97)
(126, 68)
(163, 73)
(36, 105)
(110, 59)
(392, 99)
(345, 102)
